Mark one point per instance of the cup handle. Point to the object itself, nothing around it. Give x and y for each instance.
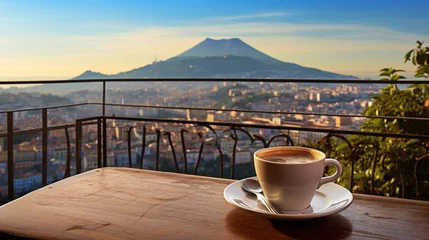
(333, 177)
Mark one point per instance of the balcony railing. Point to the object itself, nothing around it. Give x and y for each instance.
(205, 134)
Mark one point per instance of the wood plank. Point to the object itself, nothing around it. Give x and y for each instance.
(122, 203)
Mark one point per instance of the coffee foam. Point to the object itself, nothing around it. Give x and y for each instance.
(290, 156)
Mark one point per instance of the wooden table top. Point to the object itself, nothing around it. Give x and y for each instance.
(123, 203)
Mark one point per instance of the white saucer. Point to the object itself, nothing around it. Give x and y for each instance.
(329, 199)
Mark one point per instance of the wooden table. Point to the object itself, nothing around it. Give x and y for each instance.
(122, 203)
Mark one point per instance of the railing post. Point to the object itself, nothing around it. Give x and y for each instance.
(234, 150)
(104, 126)
(168, 134)
(158, 141)
(68, 163)
(99, 143)
(104, 98)
(220, 159)
(185, 158)
(130, 163)
(143, 146)
(104, 142)
(44, 146)
(78, 146)
(10, 163)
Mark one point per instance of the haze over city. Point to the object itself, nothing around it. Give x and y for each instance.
(60, 40)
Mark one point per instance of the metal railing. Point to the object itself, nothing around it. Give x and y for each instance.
(101, 122)
(231, 127)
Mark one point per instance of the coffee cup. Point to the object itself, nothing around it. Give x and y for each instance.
(289, 176)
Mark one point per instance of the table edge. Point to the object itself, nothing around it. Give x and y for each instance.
(356, 196)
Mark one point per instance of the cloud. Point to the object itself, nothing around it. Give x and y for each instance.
(250, 16)
(273, 29)
(344, 48)
(279, 40)
(339, 37)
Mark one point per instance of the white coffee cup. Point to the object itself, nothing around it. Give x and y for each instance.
(289, 176)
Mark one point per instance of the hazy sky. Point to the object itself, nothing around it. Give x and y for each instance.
(62, 39)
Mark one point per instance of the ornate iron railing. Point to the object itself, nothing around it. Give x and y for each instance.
(233, 129)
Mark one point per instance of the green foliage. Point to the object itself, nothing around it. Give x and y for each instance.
(385, 166)
(401, 103)
(240, 103)
(392, 159)
(391, 73)
(223, 93)
(420, 58)
(252, 98)
(221, 103)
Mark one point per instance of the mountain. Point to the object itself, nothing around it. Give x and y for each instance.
(91, 75)
(224, 58)
(222, 47)
(10, 100)
(228, 66)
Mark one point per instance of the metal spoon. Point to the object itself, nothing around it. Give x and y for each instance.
(252, 186)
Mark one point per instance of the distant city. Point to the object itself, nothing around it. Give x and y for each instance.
(276, 104)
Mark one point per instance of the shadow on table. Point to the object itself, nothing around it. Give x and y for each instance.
(11, 237)
(331, 227)
(251, 226)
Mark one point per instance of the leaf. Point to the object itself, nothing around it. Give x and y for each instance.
(385, 69)
(397, 190)
(408, 55)
(395, 77)
(384, 74)
(419, 43)
(420, 58)
(422, 70)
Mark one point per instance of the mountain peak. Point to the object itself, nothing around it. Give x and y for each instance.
(233, 46)
(88, 74)
(220, 58)
(224, 39)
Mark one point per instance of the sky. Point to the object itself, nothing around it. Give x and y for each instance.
(42, 40)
